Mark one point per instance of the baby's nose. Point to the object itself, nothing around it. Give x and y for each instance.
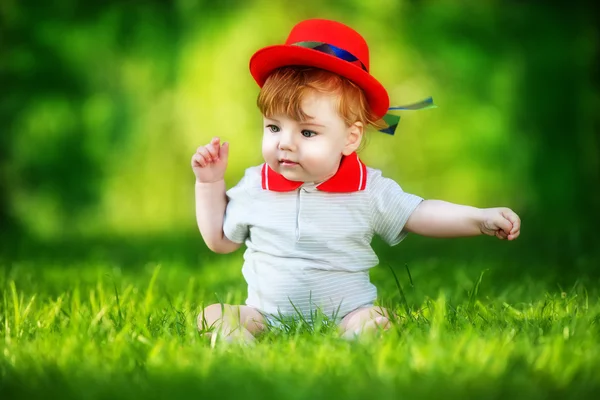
(286, 141)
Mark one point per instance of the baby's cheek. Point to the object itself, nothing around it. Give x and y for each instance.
(268, 149)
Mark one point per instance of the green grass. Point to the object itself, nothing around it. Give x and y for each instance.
(104, 328)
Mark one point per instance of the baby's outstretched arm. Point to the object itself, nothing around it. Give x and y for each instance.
(436, 218)
(209, 164)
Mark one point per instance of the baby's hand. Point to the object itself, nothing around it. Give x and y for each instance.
(501, 222)
(210, 162)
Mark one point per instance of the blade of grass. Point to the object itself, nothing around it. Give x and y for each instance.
(409, 276)
(475, 291)
(402, 296)
(150, 290)
(15, 300)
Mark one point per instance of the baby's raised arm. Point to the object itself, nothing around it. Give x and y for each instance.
(209, 164)
(436, 218)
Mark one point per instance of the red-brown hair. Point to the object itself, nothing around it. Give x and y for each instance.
(286, 87)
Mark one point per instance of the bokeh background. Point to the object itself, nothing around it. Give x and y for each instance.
(103, 103)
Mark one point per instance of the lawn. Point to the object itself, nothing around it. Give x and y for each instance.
(117, 321)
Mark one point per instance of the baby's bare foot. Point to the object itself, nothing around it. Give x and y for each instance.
(370, 328)
(239, 336)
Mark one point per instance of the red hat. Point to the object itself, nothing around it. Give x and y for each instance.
(327, 45)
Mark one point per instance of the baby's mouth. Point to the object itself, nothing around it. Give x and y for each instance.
(287, 163)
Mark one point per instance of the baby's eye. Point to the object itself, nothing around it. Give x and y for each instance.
(273, 128)
(308, 134)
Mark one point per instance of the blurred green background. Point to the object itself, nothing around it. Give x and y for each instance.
(104, 102)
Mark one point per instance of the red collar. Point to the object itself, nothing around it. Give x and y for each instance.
(351, 176)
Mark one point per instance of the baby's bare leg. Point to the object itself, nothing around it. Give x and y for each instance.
(364, 320)
(239, 322)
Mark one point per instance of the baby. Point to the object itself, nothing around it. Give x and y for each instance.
(307, 215)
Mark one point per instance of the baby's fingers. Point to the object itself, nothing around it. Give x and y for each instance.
(198, 161)
(516, 224)
(516, 227)
(514, 233)
(513, 218)
(503, 224)
(500, 234)
(201, 157)
(213, 149)
(513, 236)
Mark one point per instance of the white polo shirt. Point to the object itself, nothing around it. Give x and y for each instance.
(309, 246)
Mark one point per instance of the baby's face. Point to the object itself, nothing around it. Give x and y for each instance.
(308, 151)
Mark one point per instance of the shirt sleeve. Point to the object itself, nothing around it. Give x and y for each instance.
(235, 224)
(391, 207)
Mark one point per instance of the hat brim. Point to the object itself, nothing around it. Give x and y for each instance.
(267, 59)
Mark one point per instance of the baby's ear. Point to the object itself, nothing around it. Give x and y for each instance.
(354, 137)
